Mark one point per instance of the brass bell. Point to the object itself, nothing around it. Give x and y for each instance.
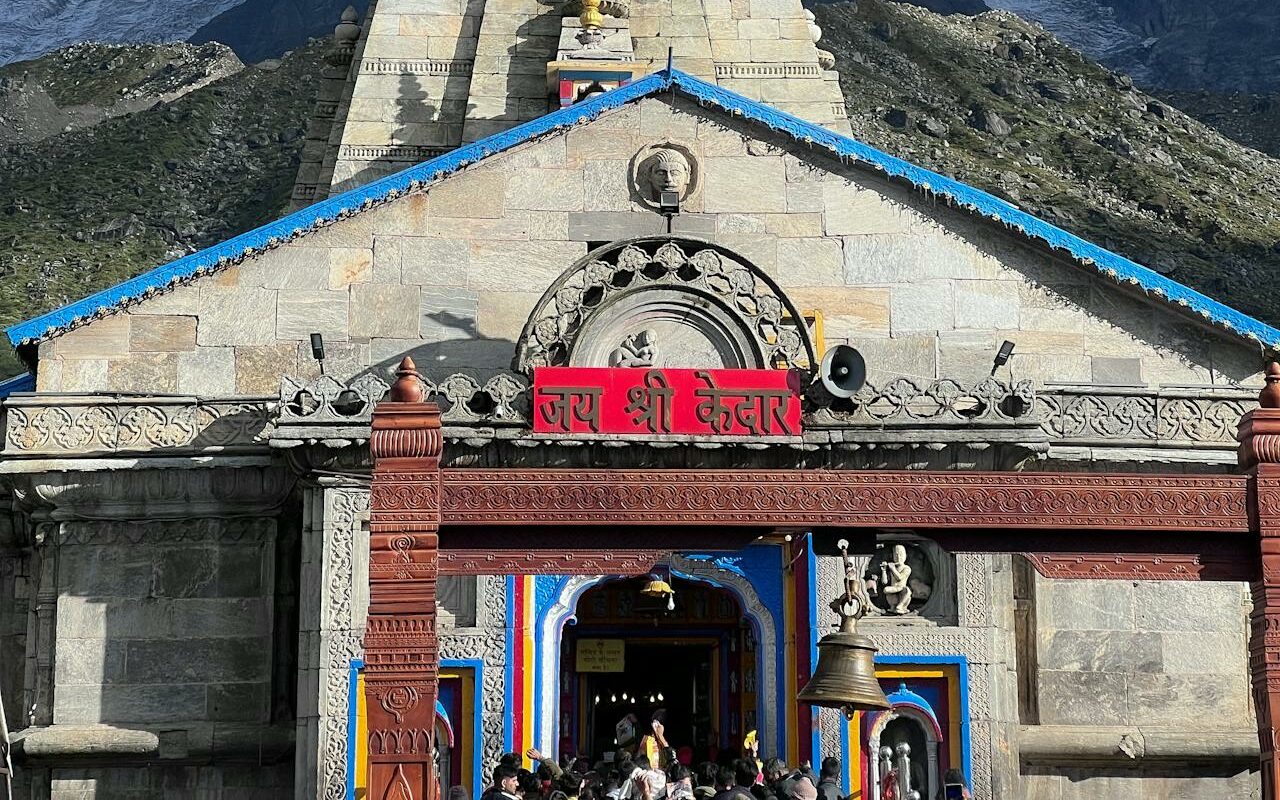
(658, 589)
(845, 677)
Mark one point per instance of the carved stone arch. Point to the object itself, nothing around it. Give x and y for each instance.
(713, 308)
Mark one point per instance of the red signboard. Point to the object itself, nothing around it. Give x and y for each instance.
(646, 401)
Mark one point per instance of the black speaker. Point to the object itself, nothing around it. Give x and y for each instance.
(843, 371)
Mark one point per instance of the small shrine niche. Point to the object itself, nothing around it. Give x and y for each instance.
(595, 52)
(911, 578)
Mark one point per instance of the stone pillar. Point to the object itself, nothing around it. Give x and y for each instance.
(332, 602)
(401, 658)
(1259, 436)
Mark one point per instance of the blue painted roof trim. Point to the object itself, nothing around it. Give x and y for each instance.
(26, 382)
(1106, 263)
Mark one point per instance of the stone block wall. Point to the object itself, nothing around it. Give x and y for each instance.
(409, 87)
(159, 654)
(157, 627)
(16, 587)
(242, 783)
(1154, 672)
(451, 273)
(517, 39)
(1144, 653)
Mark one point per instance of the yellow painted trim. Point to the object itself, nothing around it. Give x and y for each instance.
(529, 645)
(897, 671)
(361, 782)
(819, 334)
(854, 766)
(789, 659)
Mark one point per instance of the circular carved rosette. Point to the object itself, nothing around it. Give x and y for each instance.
(691, 303)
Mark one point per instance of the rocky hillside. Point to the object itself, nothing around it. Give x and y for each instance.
(1002, 104)
(989, 99)
(1250, 119)
(83, 210)
(81, 85)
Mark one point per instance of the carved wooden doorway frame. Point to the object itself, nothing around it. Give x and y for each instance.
(425, 521)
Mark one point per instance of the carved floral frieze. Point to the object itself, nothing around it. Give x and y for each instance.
(39, 425)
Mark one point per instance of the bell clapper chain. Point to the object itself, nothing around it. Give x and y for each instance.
(852, 606)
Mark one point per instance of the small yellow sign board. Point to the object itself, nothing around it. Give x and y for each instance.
(601, 655)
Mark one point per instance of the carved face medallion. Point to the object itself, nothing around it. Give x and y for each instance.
(664, 167)
(668, 172)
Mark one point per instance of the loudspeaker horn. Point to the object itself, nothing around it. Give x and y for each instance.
(843, 371)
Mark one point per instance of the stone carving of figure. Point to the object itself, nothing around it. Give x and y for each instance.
(668, 171)
(893, 581)
(899, 576)
(637, 350)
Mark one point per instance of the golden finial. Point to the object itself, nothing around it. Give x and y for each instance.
(591, 18)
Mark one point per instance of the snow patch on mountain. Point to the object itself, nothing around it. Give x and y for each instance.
(35, 27)
(1090, 26)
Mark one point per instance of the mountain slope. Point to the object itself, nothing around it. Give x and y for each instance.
(34, 27)
(85, 210)
(258, 29)
(1000, 103)
(81, 85)
(1225, 46)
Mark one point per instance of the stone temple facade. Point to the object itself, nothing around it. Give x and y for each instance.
(184, 546)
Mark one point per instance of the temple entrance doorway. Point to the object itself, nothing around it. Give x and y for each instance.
(629, 655)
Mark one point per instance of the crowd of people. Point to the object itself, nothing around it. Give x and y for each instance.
(656, 771)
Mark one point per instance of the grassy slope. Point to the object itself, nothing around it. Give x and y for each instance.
(1186, 201)
(85, 210)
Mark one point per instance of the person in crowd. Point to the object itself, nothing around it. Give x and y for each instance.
(679, 782)
(653, 744)
(530, 786)
(778, 778)
(829, 779)
(706, 781)
(546, 766)
(649, 779)
(747, 777)
(727, 785)
(566, 786)
(458, 793)
(506, 783)
(611, 786)
(803, 789)
(628, 774)
(954, 775)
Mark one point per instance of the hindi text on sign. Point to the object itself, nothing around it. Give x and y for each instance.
(649, 401)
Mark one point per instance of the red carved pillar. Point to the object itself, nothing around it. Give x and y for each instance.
(401, 663)
(1259, 437)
